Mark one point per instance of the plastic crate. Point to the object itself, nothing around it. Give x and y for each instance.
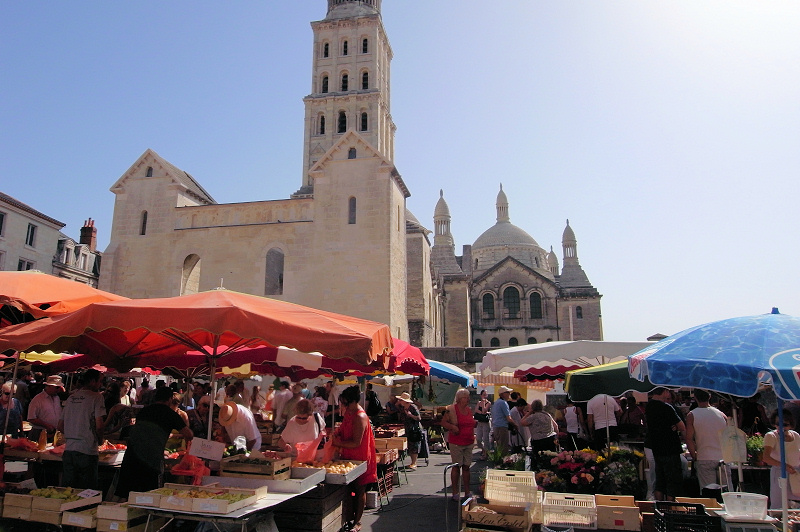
(510, 488)
(684, 517)
(739, 504)
(569, 510)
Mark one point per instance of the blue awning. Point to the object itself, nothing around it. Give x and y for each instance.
(445, 371)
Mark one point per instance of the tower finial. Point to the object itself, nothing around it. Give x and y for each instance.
(441, 193)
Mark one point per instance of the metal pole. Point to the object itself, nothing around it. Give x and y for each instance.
(447, 468)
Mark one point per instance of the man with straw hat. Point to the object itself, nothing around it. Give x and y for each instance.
(45, 408)
(238, 420)
(501, 418)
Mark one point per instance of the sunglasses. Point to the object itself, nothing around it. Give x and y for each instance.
(302, 418)
(6, 393)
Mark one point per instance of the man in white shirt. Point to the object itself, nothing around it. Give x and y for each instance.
(704, 426)
(601, 417)
(238, 420)
(282, 396)
(44, 412)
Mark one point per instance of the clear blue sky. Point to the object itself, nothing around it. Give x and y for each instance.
(667, 132)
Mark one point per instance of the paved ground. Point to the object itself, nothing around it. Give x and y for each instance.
(421, 504)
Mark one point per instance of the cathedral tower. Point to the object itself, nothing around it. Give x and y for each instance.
(350, 83)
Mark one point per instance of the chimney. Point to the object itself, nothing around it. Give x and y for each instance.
(89, 234)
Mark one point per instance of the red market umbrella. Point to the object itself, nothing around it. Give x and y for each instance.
(119, 334)
(29, 295)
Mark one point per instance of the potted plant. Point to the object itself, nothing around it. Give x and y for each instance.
(755, 449)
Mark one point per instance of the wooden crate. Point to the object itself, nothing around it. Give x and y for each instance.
(16, 512)
(271, 470)
(119, 512)
(58, 505)
(221, 506)
(517, 517)
(321, 509)
(46, 516)
(617, 512)
(18, 500)
(135, 525)
(82, 519)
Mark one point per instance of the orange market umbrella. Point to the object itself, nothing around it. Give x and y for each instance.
(31, 294)
(118, 334)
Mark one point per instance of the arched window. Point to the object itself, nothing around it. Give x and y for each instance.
(536, 305)
(488, 307)
(344, 82)
(149, 172)
(511, 302)
(326, 50)
(325, 84)
(351, 211)
(190, 276)
(478, 343)
(365, 46)
(342, 122)
(143, 225)
(322, 125)
(579, 313)
(351, 153)
(364, 121)
(344, 48)
(494, 342)
(532, 340)
(273, 278)
(513, 342)
(365, 81)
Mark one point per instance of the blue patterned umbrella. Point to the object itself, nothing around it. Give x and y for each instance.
(729, 356)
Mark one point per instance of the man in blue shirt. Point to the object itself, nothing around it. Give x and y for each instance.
(501, 418)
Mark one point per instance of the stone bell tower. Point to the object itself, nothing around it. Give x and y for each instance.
(350, 83)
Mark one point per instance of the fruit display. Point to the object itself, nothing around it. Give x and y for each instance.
(107, 446)
(268, 457)
(337, 467)
(65, 494)
(197, 493)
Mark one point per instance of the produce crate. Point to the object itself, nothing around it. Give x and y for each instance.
(267, 469)
(684, 517)
(617, 512)
(350, 476)
(708, 502)
(510, 488)
(388, 456)
(569, 509)
(136, 525)
(517, 517)
(16, 512)
(222, 506)
(18, 500)
(119, 512)
(58, 505)
(82, 519)
(46, 516)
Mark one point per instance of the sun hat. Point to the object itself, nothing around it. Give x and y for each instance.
(228, 413)
(404, 397)
(504, 389)
(54, 380)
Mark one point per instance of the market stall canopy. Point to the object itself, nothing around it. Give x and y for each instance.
(449, 372)
(553, 359)
(119, 333)
(612, 379)
(32, 294)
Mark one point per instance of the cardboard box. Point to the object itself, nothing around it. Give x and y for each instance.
(18, 500)
(135, 525)
(119, 512)
(46, 516)
(617, 512)
(83, 519)
(517, 517)
(709, 503)
(144, 498)
(16, 512)
(58, 505)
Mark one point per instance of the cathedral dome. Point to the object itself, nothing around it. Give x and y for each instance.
(504, 234)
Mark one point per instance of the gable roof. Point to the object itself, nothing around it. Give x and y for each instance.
(352, 139)
(503, 263)
(180, 177)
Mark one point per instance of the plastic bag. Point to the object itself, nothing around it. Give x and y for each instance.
(240, 443)
(192, 466)
(329, 449)
(307, 450)
(734, 444)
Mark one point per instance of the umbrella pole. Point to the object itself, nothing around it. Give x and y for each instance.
(212, 364)
(736, 424)
(10, 404)
(782, 481)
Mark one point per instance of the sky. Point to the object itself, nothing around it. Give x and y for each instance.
(666, 132)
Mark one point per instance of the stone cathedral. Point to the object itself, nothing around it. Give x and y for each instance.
(345, 241)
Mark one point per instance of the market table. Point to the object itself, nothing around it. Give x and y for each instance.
(243, 516)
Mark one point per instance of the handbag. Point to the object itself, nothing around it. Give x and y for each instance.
(414, 433)
(324, 439)
(481, 418)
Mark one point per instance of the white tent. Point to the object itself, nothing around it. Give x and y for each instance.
(556, 357)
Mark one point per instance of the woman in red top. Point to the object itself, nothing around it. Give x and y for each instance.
(459, 422)
(355, 441)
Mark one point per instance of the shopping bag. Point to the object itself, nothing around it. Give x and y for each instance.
(329, 450)
(734, 445)
(307, 450)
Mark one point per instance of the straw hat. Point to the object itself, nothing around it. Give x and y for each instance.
(504, 389)
(228, 413)
(404, 397)
(54, 380)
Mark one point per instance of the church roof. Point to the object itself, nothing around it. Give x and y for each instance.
(413, 223)
(441, 207)
(504, 234)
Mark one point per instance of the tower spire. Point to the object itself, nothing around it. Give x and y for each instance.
(502, 206)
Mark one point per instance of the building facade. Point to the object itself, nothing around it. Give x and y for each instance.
(343, 242)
